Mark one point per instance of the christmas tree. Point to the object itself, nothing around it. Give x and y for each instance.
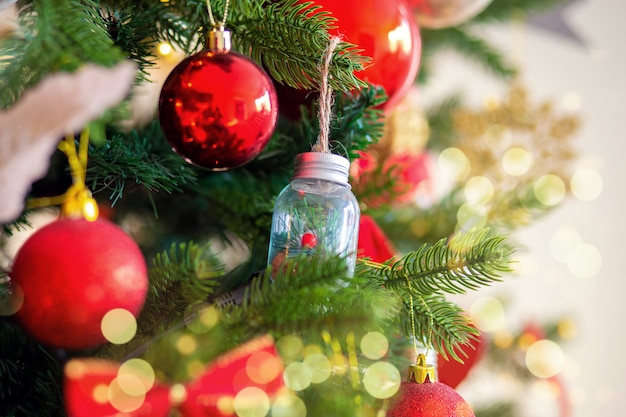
(170, 283)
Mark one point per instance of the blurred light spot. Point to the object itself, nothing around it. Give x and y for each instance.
(290, 348)
(186, 344)
(90, 210)
(131, 384)
(226, 405)
(584, 261)
(311, 349)
(178, 394)
(562, 243)
(471, 216)
(13, 302)
(165, 49)
(122, 400)
(263, 367)
(488, 314)
(118, 326)
(567, 328)
(140, 369)
(517, 161)
(454, 163)
(491, 102)
(297, 376)
(288, 406)
(478, 190)
(503, 339)
(100, 393)
(549, 190)
(586, 184)
(572, 102)
(526, 340)
(544, 358)
(320, 367)
(382, 380)
(251, 402)
(201, 317)
(195, 368)
(374, 345)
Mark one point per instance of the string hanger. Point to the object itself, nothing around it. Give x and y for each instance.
(214, 23)
(326, 99)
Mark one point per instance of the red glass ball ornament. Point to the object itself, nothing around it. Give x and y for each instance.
(428, 399)
(387, 32)
(218, 109)
(71, 273)
(309, 240)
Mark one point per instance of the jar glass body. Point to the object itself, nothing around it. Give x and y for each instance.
(315, 215)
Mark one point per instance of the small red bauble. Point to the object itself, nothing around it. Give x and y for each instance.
(387, 32)
(72, 272)
(309, 240)
(428, 399)
(218, 109)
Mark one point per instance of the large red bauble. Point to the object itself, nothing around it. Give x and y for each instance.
(386, 31)
(429, 399)
(72, 272)
(218, 110)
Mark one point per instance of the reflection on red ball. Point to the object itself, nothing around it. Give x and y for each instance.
(218, 110)
(72, 272)
(387, 32)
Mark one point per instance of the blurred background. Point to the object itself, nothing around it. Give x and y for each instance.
(571, 272)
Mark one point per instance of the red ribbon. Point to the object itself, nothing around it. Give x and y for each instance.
(97, 388)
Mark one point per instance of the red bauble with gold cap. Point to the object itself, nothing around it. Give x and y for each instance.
(71, 273)
(218, 108)
(422, 396)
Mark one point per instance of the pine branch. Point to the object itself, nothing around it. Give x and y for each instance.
(468, 261)
(438, 323)
(141, 158)
(56, 35)
(184, 275)
(289, 37)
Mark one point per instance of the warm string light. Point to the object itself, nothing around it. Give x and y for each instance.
(77, 201)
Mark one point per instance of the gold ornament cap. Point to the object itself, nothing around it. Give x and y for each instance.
(421, 371)
(219, 40)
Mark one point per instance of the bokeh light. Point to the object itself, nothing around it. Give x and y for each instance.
(297, 376)
(562, 243)
(290, 348)
(517, 161)
(454, 163)
(251, 402)
(584, 261)
(120, 399)
(382, 380)
(544, 358)
(164, 49)
(288, 406)
(320, 367)
(478, 190)
(374, 345)
(586, 184)
(472, 216)
(186, 344)
(549, 190)
(487, 313)
(118, 326)
(139, 369)
(263, 367)
(201, 317)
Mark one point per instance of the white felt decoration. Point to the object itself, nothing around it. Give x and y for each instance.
(30, 130)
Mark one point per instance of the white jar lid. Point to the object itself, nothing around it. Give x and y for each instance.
(322, 165)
